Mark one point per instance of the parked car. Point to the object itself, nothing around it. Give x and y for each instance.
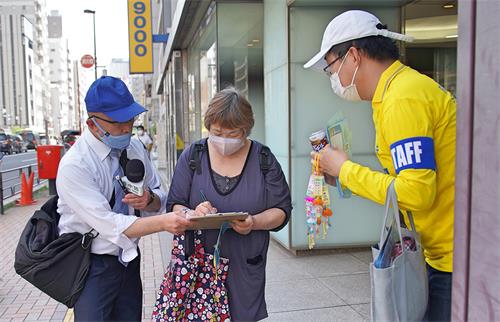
(18, 145)
(44, 140)
(5, 143)
(31, 138)
(69, 138)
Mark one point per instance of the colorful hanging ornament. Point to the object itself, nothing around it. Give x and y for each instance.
(317, 202)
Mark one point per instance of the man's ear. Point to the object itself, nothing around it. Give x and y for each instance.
(356, 55)
(90, 124)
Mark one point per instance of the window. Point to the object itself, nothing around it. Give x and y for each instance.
(434, 50)
(202, 74)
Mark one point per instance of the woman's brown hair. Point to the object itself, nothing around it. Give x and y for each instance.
(231, 110)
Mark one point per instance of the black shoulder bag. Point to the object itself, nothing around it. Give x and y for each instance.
(56, 264)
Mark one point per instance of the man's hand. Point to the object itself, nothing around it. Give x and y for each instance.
(243, 227)
(135, 201)
(175, 222)
(205, 208)
(330, 160)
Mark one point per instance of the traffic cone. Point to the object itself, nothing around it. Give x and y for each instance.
(26, 191)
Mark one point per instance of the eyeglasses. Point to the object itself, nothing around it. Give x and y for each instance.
(113, 122)
(328, 73)
(230, 134)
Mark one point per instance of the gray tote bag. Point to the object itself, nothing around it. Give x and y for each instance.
(399, 287)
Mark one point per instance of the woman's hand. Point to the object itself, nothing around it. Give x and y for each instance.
(175, 222)
(205, 208)
(243, 227)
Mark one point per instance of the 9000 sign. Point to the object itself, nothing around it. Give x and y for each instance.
(140, 37)
(140, 22)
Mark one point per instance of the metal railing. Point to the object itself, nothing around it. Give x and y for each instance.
(15, 188)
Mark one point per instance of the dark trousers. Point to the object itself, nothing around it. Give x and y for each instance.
(439, 305)
(112, 291)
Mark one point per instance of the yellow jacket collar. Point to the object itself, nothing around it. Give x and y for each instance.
(385, 80)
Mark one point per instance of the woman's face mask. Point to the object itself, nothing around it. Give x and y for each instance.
(119, 142)
(226, 146)
(349, 92)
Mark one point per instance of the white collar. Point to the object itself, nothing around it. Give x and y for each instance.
(101, 149)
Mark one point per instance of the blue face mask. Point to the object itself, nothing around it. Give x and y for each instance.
(119, 142)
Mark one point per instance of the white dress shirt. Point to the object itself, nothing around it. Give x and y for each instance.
(85, 187)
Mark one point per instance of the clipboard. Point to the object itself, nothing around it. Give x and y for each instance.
(214, 221)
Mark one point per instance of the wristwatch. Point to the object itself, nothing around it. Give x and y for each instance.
(151, 196)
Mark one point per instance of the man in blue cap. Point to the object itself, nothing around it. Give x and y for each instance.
(91, 198)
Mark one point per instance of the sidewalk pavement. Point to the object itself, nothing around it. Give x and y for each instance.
(327, 287)
(317, 288)
(21, 301)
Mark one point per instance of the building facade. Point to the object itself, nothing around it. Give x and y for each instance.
(274, 38)
(62, 78)
(24, 74)
(259, 47)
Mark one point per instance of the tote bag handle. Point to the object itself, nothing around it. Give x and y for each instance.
(392, 199)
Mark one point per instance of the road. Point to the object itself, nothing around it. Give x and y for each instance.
(11, 181)
(17, 160)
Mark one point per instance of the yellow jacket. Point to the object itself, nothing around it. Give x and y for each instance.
(415, 124)
(179, 143)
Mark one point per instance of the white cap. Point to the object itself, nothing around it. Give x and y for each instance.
(350, 25)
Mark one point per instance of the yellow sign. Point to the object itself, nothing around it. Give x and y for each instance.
(140, 37)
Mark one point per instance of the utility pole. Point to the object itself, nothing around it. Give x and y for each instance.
(95, 50)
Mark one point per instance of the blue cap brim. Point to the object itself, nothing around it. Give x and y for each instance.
(127, 113)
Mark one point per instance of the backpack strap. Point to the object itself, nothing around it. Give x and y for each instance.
(265, 159)
(195, 156)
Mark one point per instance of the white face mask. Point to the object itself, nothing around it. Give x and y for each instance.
(350, 92)
(226, 146)
(140, 132)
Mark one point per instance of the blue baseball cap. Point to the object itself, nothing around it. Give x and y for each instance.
(110, 95)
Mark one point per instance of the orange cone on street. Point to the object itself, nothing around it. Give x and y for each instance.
(26, 191)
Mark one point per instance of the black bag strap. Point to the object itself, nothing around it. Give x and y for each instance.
(88, 237)
(195, 156)
(265, 159)
(195, 166)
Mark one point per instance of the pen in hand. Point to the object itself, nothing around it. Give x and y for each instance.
(204, 199)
